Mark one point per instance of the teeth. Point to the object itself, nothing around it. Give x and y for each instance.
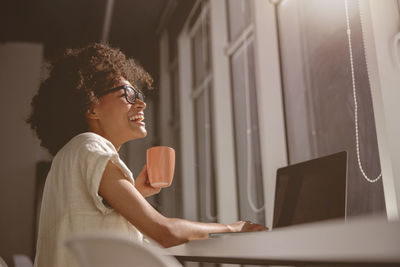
(136, 117)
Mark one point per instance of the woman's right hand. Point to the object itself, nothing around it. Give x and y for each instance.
(246, 226)
(143, 185)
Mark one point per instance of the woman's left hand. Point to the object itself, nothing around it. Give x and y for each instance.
(143, 185)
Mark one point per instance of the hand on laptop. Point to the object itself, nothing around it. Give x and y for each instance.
(246, 226)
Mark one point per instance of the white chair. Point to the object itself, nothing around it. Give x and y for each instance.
(105, 250)
(3, 263)
(22, 261)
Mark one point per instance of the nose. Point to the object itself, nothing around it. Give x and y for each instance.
(139, 104)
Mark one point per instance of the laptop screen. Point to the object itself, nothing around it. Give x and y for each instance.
(311, 191)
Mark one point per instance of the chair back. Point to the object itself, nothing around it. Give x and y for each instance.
(104, 250)
(3, 263)
(21, 260)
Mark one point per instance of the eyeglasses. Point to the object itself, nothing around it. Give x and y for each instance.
(131, 94)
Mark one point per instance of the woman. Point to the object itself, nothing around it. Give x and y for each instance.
(91, 104)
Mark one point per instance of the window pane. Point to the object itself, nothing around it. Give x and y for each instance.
(204, 158)
(319, 105)
(202, 120)
(200, 48)
(239, 15)
(247, 139)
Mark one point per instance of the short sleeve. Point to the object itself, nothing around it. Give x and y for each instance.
(95, 153)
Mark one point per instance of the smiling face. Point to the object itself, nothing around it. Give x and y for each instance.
(116, 119)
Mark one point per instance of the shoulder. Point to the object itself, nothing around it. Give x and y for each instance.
(90, 142)
(89, 137)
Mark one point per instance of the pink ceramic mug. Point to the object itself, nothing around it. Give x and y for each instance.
(160, 165)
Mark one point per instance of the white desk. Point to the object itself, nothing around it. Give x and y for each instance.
(358, 241)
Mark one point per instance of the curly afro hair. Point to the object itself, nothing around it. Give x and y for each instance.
(75, 81)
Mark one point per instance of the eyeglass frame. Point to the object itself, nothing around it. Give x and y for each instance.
(138, 95)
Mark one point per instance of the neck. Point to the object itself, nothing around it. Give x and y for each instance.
(95, 128)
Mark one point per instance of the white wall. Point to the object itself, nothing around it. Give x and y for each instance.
(380, 20)
(270, 102)
(19, 79)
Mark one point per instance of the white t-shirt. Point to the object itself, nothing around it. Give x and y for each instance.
(71, 203)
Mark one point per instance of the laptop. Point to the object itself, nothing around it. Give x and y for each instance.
(309, 191)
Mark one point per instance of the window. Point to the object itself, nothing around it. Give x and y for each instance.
(319, 104)
(244, 100)
(241, 88)
(202, 106)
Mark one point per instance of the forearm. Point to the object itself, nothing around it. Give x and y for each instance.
(181, 230)
(196, 230)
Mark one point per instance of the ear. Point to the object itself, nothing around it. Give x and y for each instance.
(92, 114)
